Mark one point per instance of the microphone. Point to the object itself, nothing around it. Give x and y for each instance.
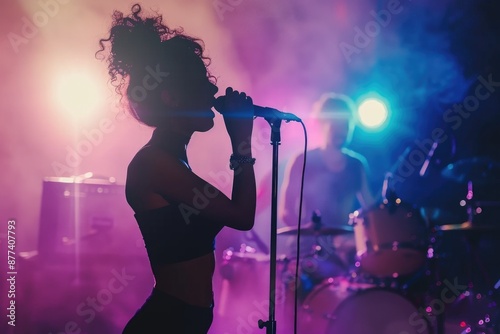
(264, 112)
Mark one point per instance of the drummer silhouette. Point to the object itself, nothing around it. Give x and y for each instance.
(335, 184)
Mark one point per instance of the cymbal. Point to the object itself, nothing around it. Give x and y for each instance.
(480, 170)
(308, 230)
(468, 226)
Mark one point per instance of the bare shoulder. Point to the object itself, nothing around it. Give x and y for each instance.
(311, 154)
(149, 164)
(149, 167)
(313, 157)
(360, 160)
(355, 155)
(150, 158)
(138, 165)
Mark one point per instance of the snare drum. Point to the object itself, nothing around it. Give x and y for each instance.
(338, 306)
(390, 239)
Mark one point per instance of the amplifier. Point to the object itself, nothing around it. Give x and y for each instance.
(86, 216)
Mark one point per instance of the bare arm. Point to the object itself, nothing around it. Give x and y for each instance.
(168, 177)
(162, 176)
(238, 118)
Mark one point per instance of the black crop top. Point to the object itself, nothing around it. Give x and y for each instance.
(170, 237)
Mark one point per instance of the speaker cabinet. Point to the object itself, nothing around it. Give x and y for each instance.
(89, 216)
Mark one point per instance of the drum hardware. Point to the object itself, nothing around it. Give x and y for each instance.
(339, 305)
(390, 239)
(310, 230)
(468, 227)
(323, 252)
(315, 228)
(330, 305)
(319, 265)
(473, 310)
(479, 170)
(261, 245)
(245, 286)
(321, 261)
(458, 303)
(473, 208)
(330, 301)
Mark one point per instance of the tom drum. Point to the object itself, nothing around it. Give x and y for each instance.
(390, 239)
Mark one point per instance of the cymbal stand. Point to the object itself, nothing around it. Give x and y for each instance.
(325, 249)
(434, 256)
(433, 268)
(475, 269)
(472, 240)
(468, 200)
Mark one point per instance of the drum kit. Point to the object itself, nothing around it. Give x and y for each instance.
(416, 270)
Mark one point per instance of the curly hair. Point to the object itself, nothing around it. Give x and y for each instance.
(138, 43)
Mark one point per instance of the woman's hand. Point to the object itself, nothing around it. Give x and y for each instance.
(237, 110)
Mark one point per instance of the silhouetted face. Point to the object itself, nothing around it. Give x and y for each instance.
(336, 126)
(194, 95)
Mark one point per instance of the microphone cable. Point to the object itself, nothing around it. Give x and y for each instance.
(297, 257)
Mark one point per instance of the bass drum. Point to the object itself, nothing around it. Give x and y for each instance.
(318, 308)
(338, 306)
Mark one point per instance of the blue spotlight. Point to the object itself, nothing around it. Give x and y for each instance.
(372, 113)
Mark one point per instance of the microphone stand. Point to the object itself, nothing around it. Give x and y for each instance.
(270, 325)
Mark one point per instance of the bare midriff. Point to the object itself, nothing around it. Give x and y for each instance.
(189, 281)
